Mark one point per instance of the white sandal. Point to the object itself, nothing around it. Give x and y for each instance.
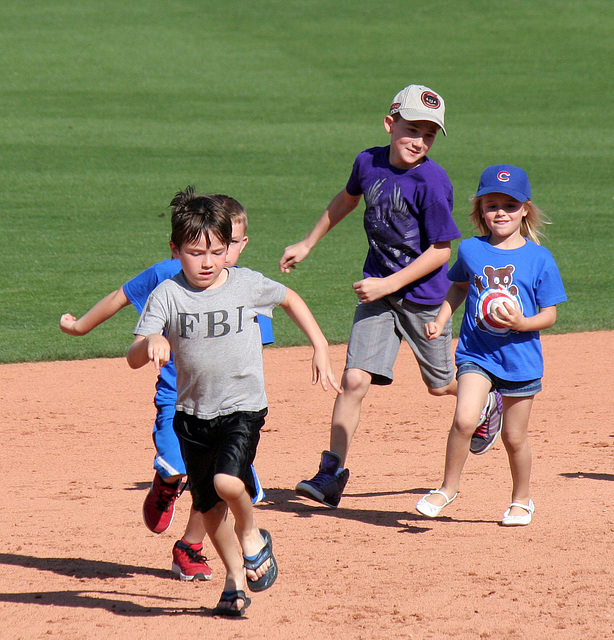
(512, 521)
(431, 510)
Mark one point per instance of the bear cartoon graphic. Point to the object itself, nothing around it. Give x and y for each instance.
(494, 286)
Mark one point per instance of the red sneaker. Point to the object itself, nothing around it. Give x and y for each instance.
(189, 563)
(159, 505)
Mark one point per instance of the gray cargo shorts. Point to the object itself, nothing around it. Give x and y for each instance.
(376, 336)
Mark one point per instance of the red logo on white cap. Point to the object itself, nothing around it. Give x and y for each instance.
(430, 100)
(503, 176)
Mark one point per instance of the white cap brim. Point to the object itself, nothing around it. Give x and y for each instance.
(415, 114)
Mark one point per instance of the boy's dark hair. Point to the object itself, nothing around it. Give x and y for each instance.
(194, 215)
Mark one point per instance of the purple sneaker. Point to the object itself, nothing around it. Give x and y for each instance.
(485, 436)
(327, 486)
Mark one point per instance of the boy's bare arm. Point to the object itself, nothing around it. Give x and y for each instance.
(454, 298)
(435, 256)
(342, 204)
(152, 348)
(321, 366)
(101, 311)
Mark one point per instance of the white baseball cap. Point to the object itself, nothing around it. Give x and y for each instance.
(416, 102)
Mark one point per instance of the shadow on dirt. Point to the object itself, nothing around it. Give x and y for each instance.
(590, 476)
(117, 602)
(286, 501)
(81, 568)
(104, 600)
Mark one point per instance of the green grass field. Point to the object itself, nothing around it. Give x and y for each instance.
(108, 109)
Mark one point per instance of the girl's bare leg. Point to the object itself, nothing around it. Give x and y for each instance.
(516, 412)
(471, 396)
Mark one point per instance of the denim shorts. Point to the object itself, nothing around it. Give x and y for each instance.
(226, 444)
(512, 388)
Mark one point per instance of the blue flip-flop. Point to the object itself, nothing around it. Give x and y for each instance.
(254, 563)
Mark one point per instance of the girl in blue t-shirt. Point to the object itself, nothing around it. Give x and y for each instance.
(511, 286)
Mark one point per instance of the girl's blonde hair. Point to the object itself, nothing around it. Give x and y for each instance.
(530, 227)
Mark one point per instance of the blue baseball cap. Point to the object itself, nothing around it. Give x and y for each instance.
(504, 178)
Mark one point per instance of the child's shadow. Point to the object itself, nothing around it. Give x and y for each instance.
(591, 476)
(139, 486)
(82, 568)
(286, 501)
(119, 603)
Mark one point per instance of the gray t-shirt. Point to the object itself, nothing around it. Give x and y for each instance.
(215, 339)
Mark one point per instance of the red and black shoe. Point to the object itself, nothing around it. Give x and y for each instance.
(159, 504)
(189, 563)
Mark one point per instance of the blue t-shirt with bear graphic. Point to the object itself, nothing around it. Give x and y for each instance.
(528, 277)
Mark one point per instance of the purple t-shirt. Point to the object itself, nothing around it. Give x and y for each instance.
(407, 210)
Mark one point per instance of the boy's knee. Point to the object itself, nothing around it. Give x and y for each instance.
(228, 487)
(356, 381)
(439, 392)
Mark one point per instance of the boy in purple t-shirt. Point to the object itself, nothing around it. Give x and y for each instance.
(409, 226)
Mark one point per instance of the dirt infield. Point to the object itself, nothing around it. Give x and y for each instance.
(77, 563)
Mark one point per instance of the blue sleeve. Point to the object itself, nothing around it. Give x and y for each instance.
(550, 289)
(138, 289)
(266, 329)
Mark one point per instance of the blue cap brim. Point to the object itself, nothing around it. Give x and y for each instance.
(517, 195)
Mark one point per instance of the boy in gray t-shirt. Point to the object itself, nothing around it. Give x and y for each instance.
(206, 316)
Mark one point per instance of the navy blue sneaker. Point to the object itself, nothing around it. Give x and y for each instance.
(327, 486)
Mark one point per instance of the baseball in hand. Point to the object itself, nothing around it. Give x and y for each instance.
(504, 303)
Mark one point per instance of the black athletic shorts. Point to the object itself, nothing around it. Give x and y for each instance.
(226, 444)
